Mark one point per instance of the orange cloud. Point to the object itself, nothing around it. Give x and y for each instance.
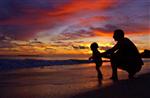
(102, 33)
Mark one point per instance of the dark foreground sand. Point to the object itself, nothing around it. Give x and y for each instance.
(72, 81)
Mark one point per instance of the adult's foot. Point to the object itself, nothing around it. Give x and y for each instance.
(131, 75)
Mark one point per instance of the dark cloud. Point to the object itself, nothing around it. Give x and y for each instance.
(75, 32)
(18, 8)
(79, 41)
(104, 47)
(75, 35)
(35, 41)
(108, 28)
(6, 42)
(61, 44)
(79, 47)
(4, 38)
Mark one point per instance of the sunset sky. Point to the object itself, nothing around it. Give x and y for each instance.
(60, 27)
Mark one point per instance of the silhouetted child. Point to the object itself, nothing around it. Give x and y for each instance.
(96, 56)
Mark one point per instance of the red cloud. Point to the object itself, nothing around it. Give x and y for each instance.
(83, 5)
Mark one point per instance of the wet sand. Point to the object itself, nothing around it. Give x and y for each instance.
(72, 81)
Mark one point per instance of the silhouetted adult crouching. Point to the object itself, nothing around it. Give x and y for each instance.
(124, 55)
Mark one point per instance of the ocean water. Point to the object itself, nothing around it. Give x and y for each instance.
(55, 58)
(29, 62)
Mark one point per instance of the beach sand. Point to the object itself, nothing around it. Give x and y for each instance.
(72, 81)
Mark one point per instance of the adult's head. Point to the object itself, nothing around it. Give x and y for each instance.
(94, 46)
(118, 34)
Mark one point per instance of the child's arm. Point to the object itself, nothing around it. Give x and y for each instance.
(105, 55)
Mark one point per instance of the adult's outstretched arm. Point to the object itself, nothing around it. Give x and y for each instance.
(109, 52)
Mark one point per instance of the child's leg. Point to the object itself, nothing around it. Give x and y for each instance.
(100, 76)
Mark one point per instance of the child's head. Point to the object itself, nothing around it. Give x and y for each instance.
(94, 46)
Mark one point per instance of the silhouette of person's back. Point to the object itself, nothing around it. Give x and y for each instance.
(124, 55)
